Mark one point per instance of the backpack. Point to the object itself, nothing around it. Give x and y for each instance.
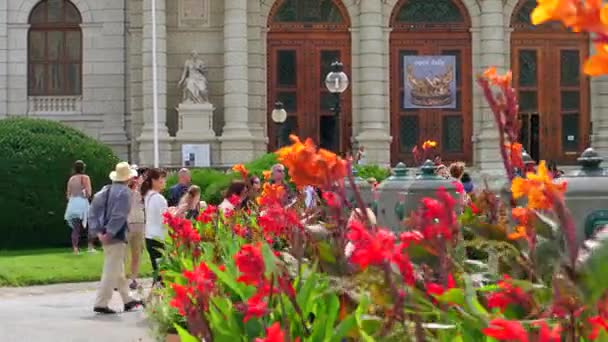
(97, 219)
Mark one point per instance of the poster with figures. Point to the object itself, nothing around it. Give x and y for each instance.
(196, 155)
(430, 82)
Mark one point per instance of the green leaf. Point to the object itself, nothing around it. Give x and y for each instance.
(184, 335)
(325, 252)
(471, 299)
(361, 309)
(452, 296)
(346, 326)
(228, 281)
(270, 260)
(333, 308)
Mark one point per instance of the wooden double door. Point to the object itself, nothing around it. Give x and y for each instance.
(297, 66)
(449, 127)
(553, 94)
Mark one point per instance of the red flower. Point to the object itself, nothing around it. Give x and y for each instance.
(437, 217)
(370, 249)
(201, 278)
(438, 289)
(331, 199)
(182, 231)
(410, 237)
(208, 214)
(508, 294)
(255, 307)
(277, 220)
(474, 209)
(181, 301)
(402, 261)
(548, 334)
(250, 263)
(505, 330)
(273, 334)
(235, 200)
(597, 324)
(287, 287)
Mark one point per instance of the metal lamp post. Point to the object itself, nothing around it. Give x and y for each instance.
(279, 116)
(337, 83)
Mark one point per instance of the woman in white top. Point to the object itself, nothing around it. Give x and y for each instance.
(155, 205)
(234, 197)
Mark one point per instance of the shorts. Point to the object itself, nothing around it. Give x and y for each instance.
(135, 237)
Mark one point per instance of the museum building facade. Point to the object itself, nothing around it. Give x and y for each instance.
(411, 66)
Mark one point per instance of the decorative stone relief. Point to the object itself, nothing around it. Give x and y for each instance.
(193, 13)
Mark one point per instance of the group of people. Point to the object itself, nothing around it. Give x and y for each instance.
(127, 216)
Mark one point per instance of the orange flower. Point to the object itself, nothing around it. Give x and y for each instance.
(498, 80)
(266, 174)
(538, 187)
(549, 10)
(522, 216)
(598, 64)
(309, 166)
(515, 153)
(242, 170)
(429, 144)
(271, 193)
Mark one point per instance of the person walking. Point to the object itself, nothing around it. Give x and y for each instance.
(155, 205)
(135, 234)
(108, 220)
(177, 191)
(190, 205)
(78, 193)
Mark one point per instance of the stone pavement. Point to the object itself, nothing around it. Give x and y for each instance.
(64, 313)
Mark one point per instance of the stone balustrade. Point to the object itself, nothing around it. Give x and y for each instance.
(55, 104)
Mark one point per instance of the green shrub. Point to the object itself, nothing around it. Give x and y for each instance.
(373, 171)
(36, 157)
(213, 182)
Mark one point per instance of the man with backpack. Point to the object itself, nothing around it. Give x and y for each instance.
(108, 221)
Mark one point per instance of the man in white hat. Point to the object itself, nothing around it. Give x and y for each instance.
(109, 212)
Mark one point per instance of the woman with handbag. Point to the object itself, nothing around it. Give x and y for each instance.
(78, 193)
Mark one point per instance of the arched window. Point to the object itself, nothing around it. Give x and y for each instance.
(55, 49)
(437, 11)
(311, 11)
(520, 20)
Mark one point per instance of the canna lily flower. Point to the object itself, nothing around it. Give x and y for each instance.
(435, 289)
(549, 10)
(266, 174)
(523, 217)
(309, 166)
(539, 188)
(548, 334)
(505, 330)
(515, 154)
(508, 294)
(597, 64)
(271, 194)
(240, 168)
(255, 307)
(429, 144)
(498, 80)
(250, 264)
(598, 323)
(274, 334)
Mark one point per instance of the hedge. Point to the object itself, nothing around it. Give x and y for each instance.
(214, 182)
(36, 158)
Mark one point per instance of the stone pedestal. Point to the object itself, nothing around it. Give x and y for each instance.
(195, 127)
(195, 121)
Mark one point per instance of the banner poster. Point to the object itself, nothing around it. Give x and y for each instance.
(430, 82)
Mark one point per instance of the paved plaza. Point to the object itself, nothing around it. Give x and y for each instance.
(64, 313)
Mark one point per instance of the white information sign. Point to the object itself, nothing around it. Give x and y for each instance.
(196, 155)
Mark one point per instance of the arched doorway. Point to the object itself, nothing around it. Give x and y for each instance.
(431, 28)
(304, 38)
(553, 92)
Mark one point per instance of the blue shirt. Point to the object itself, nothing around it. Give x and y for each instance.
(175, 194)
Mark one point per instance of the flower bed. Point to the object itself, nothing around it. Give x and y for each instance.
(493, 270)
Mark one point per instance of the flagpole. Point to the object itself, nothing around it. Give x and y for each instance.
(154, 86)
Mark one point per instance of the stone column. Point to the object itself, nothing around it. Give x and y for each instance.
(236, 140)
(257, 76)
(599, 108)
(3, 58)
(374, 131)
(146, 142)
(492, 54)
(17, 69)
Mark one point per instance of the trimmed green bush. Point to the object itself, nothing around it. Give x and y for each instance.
(213, 182)
(36, 157)
(373, 171)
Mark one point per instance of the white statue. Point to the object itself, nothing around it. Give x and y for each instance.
(194, 80)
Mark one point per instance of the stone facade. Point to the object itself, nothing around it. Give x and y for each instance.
(230, 35)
